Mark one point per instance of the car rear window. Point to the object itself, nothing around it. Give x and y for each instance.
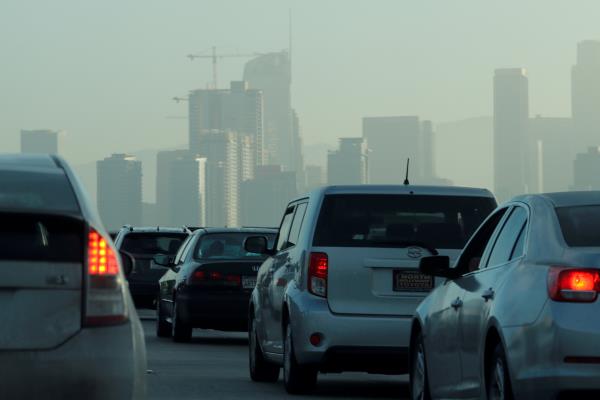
(39, 191)
(580, 225)
(28, 237)
(228, 246)
(442, 222)
(150, 243)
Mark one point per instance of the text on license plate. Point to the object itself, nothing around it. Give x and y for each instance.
(248, 282)
(411, 281)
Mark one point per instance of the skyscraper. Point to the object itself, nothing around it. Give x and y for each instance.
(39, 141)
(511, 117)
(187, 190)
(349, 164)
(586, 167)
(119, 191)
(585, 94)
(164, 162)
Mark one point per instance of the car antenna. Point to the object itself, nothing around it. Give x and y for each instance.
(406, 182)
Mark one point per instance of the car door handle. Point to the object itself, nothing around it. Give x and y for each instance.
(488, 294)
(457, 303)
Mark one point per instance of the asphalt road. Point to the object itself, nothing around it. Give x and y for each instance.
(214, 366)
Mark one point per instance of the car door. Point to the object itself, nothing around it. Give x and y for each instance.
(503, 251)
(442, 339)
(169, 279)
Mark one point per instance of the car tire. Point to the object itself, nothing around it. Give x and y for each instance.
(297, 379)
(163, 327)
(260, 369)
(419, 380)
(497, 382)
(180, 331)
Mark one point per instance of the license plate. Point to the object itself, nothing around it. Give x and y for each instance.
(411, 281)
(248, 282)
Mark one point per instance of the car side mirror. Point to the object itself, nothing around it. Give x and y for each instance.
(257, 245)
(436, 266)
(127, 262)
(164, 260)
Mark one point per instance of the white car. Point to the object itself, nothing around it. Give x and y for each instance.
(69, 329)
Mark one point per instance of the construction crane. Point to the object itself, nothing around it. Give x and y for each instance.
(178, 99)
(214, 57)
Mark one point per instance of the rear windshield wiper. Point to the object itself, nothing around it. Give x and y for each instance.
(409, 243)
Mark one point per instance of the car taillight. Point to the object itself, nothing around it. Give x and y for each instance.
(215, 278)
(105, 301)
(573, 284)
(317, 274)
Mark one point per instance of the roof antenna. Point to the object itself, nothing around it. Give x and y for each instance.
(406, 182)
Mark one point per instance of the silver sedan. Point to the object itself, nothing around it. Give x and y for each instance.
(518, 313)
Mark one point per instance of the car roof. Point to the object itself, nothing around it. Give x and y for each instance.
(238, 230)
(154, 229)
(29, 162)
(573, 199)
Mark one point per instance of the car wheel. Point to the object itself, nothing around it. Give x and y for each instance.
(297, 379)
(260, 369)
(419, 382)
(498, 378)
(163, 328)
(180, 331)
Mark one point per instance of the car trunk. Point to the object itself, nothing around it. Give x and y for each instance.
(216, 273)
(41, 267)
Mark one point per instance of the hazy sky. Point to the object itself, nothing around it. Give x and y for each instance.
(105, 71)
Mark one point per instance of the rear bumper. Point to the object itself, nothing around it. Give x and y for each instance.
(377, 344)
(222, 310)
(97, 363)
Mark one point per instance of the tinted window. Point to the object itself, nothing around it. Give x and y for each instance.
(579, 225)
(153, 243)
(284, 229)
(41, 238)
(227, 246)
(506, 241)
(470, 260)
(182, 249)
(48, 191)
(444, 222)
(519, 246)
(296, 225)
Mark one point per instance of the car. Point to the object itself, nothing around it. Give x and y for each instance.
(69, 328)
(143, 243)
(341, 284)
(208, 283)
(517, 314)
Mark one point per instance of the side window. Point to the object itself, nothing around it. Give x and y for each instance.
(284, 229)
(506, 241)
(471, 257)
(520, 245)
(182, 250)
(296, 225)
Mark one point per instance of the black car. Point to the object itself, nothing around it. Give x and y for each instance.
(143, 244)
(209, 282)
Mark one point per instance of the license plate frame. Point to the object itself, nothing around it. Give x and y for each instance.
(410, 280)
(248, 282)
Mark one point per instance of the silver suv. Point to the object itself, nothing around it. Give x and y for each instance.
(340, 287)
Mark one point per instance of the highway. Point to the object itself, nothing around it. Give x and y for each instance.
(214, 366)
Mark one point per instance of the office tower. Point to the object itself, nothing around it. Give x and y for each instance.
(237, 109)
(392, 140)
(511, 117)
(222, 177)
(297, 146)
(187, 190)
(314, 176)
(349, 164)
(265, 197)
(272, 75)
(119, 191)
(585, 94)
(427, 160)
(40, 141)
(164, 161)
(586, 167)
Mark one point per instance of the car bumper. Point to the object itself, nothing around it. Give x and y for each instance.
(558, 355)
(377, 344)
(222, 310)
(96, 363)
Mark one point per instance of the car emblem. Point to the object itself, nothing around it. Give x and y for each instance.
(415, 252)
(255, 268)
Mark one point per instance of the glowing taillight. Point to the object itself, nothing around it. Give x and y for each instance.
(102, 259)
(573, 284)
(215, 278)
(317, 274)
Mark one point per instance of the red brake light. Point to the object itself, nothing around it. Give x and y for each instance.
(102, 260)
(317, 274)
(573, 284)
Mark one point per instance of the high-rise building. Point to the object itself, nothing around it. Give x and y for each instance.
(586, 167)
(119, 190)
(42, 141)
(297, 146)
(265, 197)
(511, 117)
(271, 73)
(314, 176)
(585, 94)
(164, 161)
(187, 190)
(222, 177)
(349, 164)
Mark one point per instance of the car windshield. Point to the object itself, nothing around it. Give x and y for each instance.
(153, 243)
(228, 246)
(579, 225)
(358, 220)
